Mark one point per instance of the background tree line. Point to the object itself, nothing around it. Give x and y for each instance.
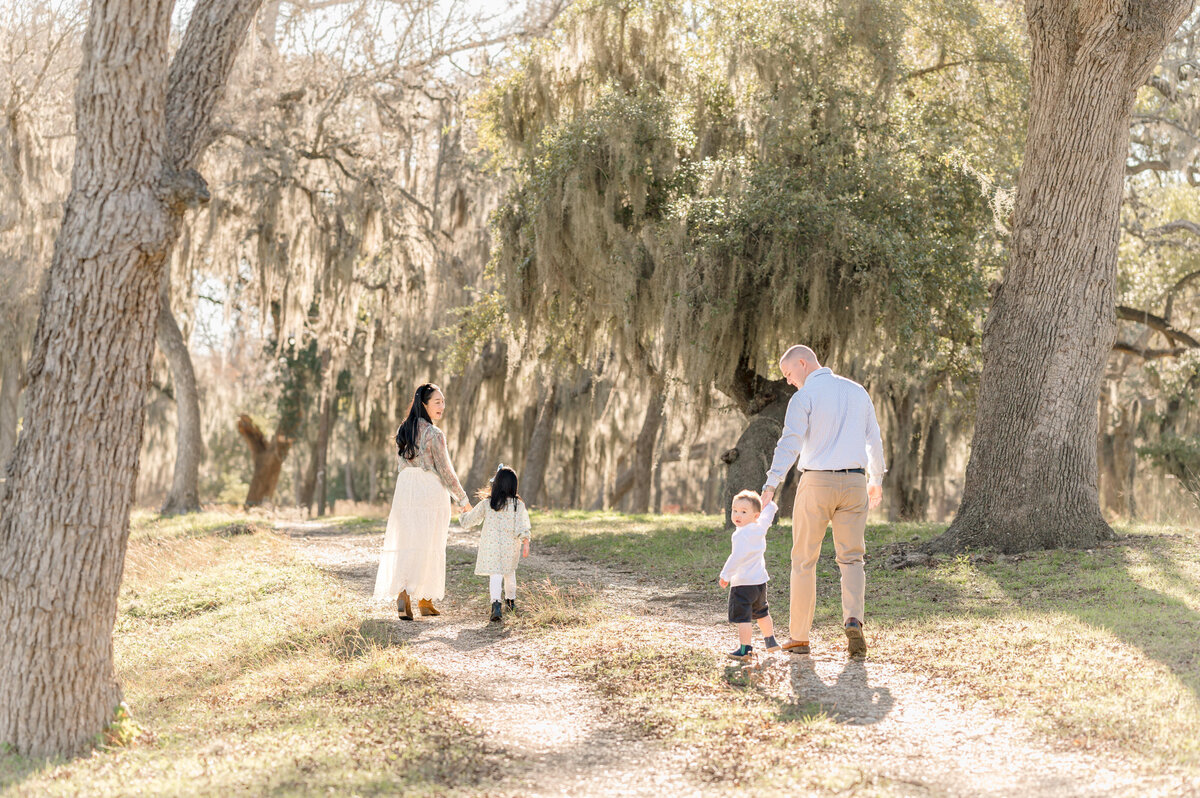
(678, 190)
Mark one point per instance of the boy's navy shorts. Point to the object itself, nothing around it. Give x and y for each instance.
(747, 602)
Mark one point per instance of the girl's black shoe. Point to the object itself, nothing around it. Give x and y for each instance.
(496, 610)
(510, 605)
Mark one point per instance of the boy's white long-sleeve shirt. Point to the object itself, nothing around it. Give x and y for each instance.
(746, 564)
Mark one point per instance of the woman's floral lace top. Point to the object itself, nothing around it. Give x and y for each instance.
(433, 456)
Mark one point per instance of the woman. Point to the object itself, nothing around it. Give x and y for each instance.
(413, 562)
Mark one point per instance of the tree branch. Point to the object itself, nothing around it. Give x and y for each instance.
(1146, 166)
(199, 74)
(1158, 324)
(1175, 227)
(1149, 354)
(947, 65)
(253, 435)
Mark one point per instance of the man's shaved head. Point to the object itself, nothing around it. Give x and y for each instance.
(799, 352)
(797, 363)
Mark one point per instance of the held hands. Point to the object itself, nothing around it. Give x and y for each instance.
(767, 495)
(525, 549)
(465, 508)
(874, 496)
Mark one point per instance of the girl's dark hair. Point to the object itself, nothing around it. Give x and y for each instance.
(504, 490)
(406, 436)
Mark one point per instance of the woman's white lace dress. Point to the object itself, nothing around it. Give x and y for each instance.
(414, 546)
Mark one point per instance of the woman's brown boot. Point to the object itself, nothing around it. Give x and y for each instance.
(426, 607)
(403, 607)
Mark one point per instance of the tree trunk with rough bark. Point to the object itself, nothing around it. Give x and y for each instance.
(643, 455)
(268, 460)
(533, 475)
(64, 523)
(915, 450)
(482, 465)
(1031, 478)
(316, 480)
(348, 476)
(11, 381)
(750, 458)
(908, 502)
(184, 496)
(1117, 453)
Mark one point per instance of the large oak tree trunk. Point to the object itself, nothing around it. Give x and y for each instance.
(1117, 453)
(750, 457)
(1031, 478)
(184, 496)
(643, 456)
(65, 521)
(316, 479)
(482, 465)
(533, 475)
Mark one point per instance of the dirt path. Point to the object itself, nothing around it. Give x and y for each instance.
(911, 739)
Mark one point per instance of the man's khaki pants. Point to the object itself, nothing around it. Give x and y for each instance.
(824, 497)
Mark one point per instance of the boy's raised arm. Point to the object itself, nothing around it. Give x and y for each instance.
(767, 516)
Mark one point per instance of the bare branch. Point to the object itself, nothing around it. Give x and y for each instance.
(1149, 354)
(1176, 226)
(948, 65)
(1158, 324)
(1146, 166)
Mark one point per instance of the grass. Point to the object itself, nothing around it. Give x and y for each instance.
(251, 672)
(1096, 649)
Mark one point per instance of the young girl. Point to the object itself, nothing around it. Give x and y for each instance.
(505, 536)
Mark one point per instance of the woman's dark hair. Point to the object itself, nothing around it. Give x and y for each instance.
(504, 489)
(406, 436)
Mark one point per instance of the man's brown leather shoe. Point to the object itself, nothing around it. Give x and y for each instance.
(796, 646)
(856, 643)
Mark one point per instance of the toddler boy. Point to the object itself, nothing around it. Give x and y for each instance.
(745, 572)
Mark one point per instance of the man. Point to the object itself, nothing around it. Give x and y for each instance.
(831, 427)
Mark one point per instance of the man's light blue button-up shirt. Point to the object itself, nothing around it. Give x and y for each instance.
(830, 425)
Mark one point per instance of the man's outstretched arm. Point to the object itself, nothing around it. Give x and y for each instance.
(791, 442)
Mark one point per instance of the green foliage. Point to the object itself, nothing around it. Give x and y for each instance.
(699, 185)
(299, 376)
(123, 729)
(474, 325)
(1178, 456)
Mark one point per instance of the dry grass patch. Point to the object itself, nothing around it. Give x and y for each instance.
(251, 674)
(722, 721)
(1095, 649)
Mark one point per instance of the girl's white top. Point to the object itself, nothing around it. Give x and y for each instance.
(502, 535)
(746, 564)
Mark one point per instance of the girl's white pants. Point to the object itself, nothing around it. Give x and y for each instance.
(510, 585)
